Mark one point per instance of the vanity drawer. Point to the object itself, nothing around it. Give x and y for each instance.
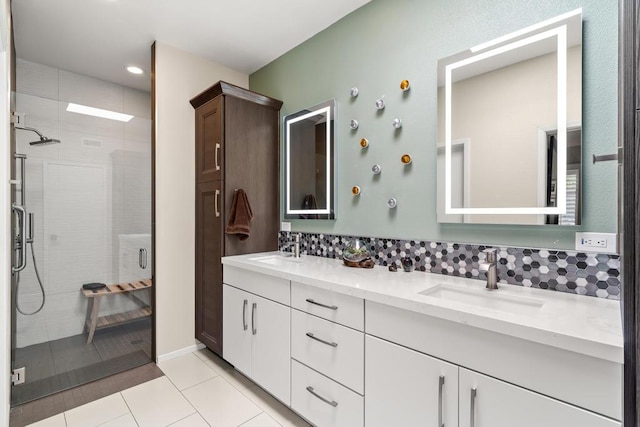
(334, 350)
(343, 309)
(322, 401)
(270, 287)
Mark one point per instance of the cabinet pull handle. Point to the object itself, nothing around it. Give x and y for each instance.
(140, 264)
(440, 387)
(216, 203)
(313, 337)
(327, 401)
(472, 421)
(253, 318)
(330, 307)
(244, 315)
(21, 238)
(217, 150)
(146, 263)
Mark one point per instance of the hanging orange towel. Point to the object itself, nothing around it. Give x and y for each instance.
(240, 216)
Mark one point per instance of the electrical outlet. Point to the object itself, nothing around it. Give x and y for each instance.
(285, 226)
(596, 242)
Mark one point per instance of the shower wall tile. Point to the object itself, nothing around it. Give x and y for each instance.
(138, 129)
(36, 79)
(31, 329)
(39, 113)
(65, 314)
(590, 274)
(89, 91)
(137, 103)
(68, 200)
(98, 150)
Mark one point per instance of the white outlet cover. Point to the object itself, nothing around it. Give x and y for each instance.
(285, 226)
(610, 239)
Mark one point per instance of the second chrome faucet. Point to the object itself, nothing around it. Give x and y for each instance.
(490, 267)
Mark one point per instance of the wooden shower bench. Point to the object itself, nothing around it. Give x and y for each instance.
(93, 319)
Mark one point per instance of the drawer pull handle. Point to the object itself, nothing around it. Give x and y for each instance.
(244, 315)
(327, 401)
(313, 337)
(472, 421)
(440, 386)
(330, 307)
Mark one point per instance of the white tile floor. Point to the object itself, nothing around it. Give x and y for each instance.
(199, 389)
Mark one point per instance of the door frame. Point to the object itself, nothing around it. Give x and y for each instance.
(629, 200)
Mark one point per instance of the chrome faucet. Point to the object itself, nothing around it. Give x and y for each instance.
(489, 266)
(296, 245)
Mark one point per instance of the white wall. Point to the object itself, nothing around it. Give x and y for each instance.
(179, 76)
(5, 223)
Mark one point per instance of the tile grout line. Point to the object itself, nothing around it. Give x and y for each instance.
(128, 407)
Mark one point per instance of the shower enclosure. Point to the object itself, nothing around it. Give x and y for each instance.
(82, 272)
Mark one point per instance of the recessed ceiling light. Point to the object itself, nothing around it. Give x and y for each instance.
(135, 70)
(98, 112)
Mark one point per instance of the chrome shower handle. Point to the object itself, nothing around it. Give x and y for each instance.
(22, 245)
(30, 228)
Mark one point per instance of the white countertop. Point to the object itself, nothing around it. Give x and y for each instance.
(586, 325)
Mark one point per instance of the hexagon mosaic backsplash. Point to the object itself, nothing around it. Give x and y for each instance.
(583, 273)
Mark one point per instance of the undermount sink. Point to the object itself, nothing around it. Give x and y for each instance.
(277, 259)
(484, 298)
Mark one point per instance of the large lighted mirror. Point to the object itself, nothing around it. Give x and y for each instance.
(510, 128)
(309, 137)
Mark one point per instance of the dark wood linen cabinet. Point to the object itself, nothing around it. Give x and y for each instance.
(237, 147)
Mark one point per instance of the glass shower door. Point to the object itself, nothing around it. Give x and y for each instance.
(82, 305)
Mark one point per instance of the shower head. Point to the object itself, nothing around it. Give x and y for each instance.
(43, 139)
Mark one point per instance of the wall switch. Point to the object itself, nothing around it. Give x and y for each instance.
(596, 242)
(285, 226)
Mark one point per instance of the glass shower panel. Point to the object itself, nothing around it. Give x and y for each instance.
(90, 196)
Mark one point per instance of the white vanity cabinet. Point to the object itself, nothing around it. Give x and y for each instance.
(487, 402)
(408, 388)
(256, 330)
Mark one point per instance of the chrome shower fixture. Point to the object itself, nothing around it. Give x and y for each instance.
(43, 139)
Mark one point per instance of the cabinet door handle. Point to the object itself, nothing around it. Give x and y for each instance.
(145, 258)
(313, 337)
(216, 203)
(217, 150)
(330, 307)
(140, 264)
(327, 401)
(472, 420)
(253, 318)
(244, 315)
(440, 387)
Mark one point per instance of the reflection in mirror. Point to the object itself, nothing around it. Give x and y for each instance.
(510, 119)
(309, 139)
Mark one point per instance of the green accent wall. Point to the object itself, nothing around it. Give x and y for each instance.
(385, 41)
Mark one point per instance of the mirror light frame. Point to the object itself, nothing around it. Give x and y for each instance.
(328, 113)
(560, 32)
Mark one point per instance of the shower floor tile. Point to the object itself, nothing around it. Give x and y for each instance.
(68, 362)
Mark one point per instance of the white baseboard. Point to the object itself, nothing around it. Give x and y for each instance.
(186, 350)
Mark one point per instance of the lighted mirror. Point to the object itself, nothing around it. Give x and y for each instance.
(510, 128)
(309, 158)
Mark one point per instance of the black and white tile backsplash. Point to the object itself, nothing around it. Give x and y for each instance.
(575, 272)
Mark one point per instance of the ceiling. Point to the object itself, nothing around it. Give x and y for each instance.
(99, 38)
